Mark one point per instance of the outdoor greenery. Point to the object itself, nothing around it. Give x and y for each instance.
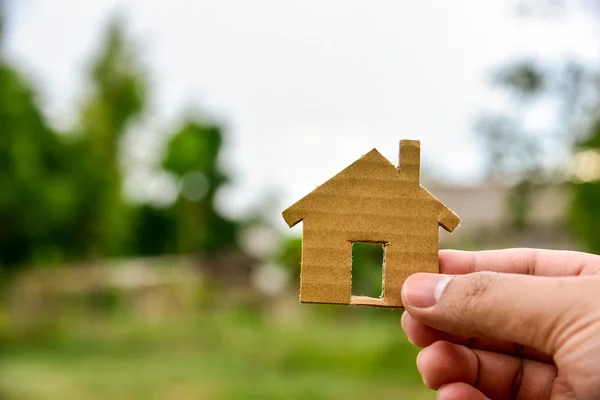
(226, 354)
(62, 202)
(65, 197)
(585, 209)
(532, 156)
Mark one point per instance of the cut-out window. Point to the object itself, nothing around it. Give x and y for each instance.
(367, 269)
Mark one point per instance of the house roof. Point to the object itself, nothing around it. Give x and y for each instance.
(377, 177)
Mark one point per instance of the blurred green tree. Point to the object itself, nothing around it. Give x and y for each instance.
(117, 98)
(63, 190)
(37, 193)
(192, 156)
(62, 197)
(528, 156)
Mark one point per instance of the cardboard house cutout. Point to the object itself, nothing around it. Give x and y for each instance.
(369, 201)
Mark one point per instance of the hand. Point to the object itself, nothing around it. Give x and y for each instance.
(507, 324)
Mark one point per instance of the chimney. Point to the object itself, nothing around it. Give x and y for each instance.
(410, 161)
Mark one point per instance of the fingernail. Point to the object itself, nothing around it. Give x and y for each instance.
(425, 290)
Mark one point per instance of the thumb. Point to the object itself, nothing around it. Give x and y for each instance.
(528, 310)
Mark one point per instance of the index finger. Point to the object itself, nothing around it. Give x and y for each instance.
(520, 261)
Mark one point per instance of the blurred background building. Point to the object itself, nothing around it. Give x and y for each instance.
(147, 150)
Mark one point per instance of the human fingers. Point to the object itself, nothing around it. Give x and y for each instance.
(422, 335)
(497, 376)
(520, 261)
(539, 312)
(460, 391)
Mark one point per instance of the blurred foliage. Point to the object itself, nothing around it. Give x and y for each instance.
(524, 78)
(509, 150)
(530, 157)
(290, 255)
(37, 193)
(191, 224)
(367, 269)
(513, 153)
(192, 156)
(585, 207)
(62, 197)
(233, 353)
(117, 98)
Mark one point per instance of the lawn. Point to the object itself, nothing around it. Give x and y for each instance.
(221, 354)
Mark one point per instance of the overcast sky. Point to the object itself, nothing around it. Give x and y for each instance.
(304, 87)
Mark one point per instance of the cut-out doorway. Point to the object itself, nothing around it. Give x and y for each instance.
(367, 269)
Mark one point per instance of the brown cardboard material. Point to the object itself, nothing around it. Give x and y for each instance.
(369, 201)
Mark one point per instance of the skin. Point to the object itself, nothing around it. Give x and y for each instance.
(507, 324)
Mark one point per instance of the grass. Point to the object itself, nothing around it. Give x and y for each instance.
(226, 354)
